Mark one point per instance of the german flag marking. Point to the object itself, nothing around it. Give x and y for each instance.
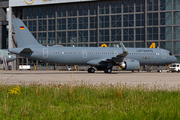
(21, 28)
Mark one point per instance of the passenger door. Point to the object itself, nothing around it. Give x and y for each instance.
(84, 53)
(163, 54)
(45, 53)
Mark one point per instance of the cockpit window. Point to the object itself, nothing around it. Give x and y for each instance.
(170, 53)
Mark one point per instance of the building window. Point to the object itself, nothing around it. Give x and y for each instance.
(51, 12)
(93, 8)
(25, 13)
(140, 44)
(176, 4)
(93, 35)
(32, 13)
(152, 19)
(61, 37)
(61, 11)
(82, 45)
(166, 18)
(115, 7)
(42, 25)
(83, 9)
(72, 10)
(92, 45)
(166, 45)
(83, 36)
(61, 24)
(129, 44)
(152, 33)
(116, 21)
(42, 38)
(140, 5)
(177, 32)
(42, 12)
(140, 34)
(93, 22)
(128, 6)
(165, 4)
(72, 23)
(176, 18)
(128, 34)
(51, 37)
(103, 21)
(25, 23)
(140, 20)
(32, 25)
(72, 36)
(166, 33)
(83, 23)
(104, 8)
(51, 25)
(103, 35)
(115, 34)
(128, 20)
(176, 47)
(152, 5)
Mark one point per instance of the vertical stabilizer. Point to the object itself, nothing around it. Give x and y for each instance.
(23, 35)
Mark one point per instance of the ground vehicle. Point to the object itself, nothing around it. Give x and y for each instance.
(24, 67)
(175, 67)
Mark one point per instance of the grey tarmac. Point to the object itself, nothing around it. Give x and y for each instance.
(168, 80)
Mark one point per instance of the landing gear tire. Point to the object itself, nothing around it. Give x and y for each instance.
(91, 70)
(107, 71)
(160, 71)
(178, 71)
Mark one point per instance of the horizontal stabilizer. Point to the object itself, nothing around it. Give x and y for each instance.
(26, 50)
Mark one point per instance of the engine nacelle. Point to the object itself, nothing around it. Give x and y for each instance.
(130, 65)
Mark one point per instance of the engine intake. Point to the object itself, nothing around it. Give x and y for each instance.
(130, 65)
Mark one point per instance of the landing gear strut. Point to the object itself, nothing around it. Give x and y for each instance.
(91, 70)
(159, 69)
(107, 71)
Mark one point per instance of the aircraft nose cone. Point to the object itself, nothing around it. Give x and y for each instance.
(13, 57)
(175, 59)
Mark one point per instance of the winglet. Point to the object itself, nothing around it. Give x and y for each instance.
(123, 48)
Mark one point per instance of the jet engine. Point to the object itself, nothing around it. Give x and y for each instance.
(130, 65)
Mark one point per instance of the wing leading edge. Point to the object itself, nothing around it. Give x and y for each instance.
(119, 58)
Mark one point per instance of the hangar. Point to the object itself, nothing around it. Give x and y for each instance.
(91, 23)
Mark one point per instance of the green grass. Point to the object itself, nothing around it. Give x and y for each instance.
(85, 101)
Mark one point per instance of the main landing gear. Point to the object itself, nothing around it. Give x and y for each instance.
(159, 69)
(91, 70)
(107, 71)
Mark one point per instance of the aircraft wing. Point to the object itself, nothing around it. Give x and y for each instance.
(119, 58)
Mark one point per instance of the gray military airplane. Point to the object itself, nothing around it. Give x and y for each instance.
(98, 57)
(6, 54)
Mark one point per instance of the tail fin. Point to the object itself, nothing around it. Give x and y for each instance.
(23, 35)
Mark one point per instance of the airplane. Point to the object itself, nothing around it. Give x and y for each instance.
(6, 54)
(101, 58)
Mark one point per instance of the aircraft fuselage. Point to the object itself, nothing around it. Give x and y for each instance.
(91, 55)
